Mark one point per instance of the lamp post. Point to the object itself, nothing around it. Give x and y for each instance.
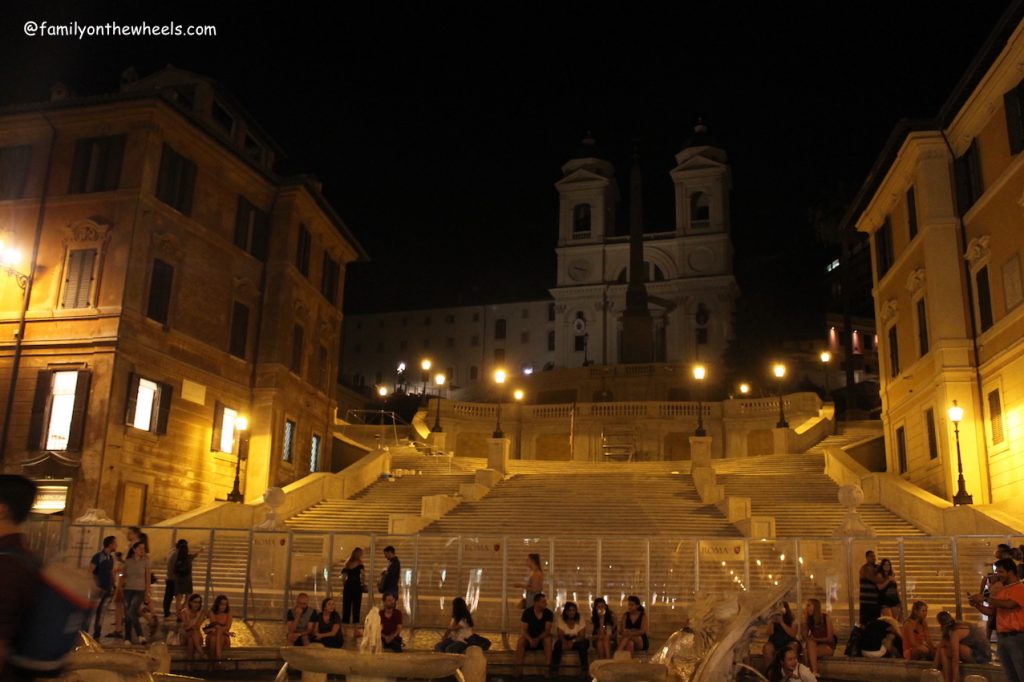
(956, 415)
(519, 395)
(425, 365)
(499, 378)
(399, 376)
(242, 429)
(744, 388)
(779, 370)
(826, 358)
(439, 379)
(699, 372)
(9, 257)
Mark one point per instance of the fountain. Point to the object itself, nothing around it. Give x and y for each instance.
(90, 662)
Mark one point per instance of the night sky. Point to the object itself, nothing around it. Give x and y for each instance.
(438, 129)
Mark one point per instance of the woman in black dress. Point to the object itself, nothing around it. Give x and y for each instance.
(889, 591)
(352, 587)
(782, 633)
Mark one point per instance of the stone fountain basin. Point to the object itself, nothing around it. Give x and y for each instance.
(345, 662)
(118, 662)
(628, 671)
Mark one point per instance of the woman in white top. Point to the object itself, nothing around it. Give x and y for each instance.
(459, 630)
(136, 590)
(570, 634)
(787, 666)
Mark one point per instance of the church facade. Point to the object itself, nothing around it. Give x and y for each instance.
(687, 271)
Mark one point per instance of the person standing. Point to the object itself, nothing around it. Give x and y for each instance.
(352, 586)
(390, 576)
(1008, 605)
(870, 581)
(136, 590)
(17, 494)
(103, 573)
(391, 625)
(182, 571)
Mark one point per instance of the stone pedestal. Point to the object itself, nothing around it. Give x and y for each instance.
(781, 441)
(700, 451)
(497, 454)
(437, 440)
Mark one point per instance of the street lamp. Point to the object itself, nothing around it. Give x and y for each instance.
(519, 395)
(826, 358)
(779, 370)
(242, 429)
(956, 415)
(744, 388)
(382, 391)
(9, 258)
(699, 372)
(439, 380)
(425, 365)
(499, 378)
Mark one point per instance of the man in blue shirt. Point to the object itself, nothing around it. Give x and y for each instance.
(390, 579)
(103, 573)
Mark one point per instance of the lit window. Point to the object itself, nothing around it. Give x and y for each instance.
(149, 404)
(289, 440)
(223, 428)
(314, 454)
(62, 408)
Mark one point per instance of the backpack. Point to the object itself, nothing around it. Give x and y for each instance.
(61, 608)
(853, 647)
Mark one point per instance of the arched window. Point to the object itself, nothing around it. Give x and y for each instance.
(653, 272)
(581, 220)
(700, 210)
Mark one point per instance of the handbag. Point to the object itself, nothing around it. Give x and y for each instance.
(478, 640)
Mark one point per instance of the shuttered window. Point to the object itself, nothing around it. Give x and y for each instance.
(148, 405)
(314, 454)
(329, 283)
(933, 443)
(912, 212)
(252, 229)
(176, 183)
(288, 441)
(967, 169)
(14, 163)
(1014, 102)
(78, 278)
(59, 409)
(159, 306)
(97, 164)
(238, 342)
(894, 352)
(302, 250)
(984, 298)
(922, 327)
(883, 249)
(901, 449)
(995, 416)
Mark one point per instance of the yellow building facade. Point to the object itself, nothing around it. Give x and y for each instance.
(172, 282)
(945, 210)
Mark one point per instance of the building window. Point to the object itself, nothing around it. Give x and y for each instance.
(224, 419)
(303, 249)
(524, 337)
(581, 220)
(929, 424)
(78, 278)
(551, 312)
(984, 298)
(288, 441)
(702, 336)
(922, 327)
(700, 210)
(58, 410)
(149, 404)
(969, 184)
(476, 317)
(474, 340)
(252, 229)
(450, 342)
(239, 330)
(14, 162)
(314, 454)
(97, 164)
(995, 416)
(177, 180)
(551, 340)
(912, 212)
(1014, 106)
(297, 343)
(499, 355)
(894, 352)
(901, 449)
(473, 373)
(883, 249)
(500, 329)
(525, 313)
(450, 319)
(159, 306)
(580, 343)
(329, 283)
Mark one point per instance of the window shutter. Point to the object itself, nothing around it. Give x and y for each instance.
(242, 218)
(165, 181)
(237, 345)
(80, 166)
(115, 156)
(44, 383)
(218, 421)
(132, 399)
(164, 413)
(79, 277)
(995, 414)
(77, 431)
(187, 186)
(961, 174)
(1014, 120)
(260, 235)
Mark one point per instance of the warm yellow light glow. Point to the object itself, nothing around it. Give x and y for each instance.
(241, 423)
(10, 256)
(956, 413)
(401, 367)
(825, 356)
(744, 388)
(499, 376)
(426, 364)
(699, 372)
(439, 379)
(382, 391)
(779, 370)
(518, 395)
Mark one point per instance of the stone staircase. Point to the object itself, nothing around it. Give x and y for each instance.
(847, 434)
(416, 476)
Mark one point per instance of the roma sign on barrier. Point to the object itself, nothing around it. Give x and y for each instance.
(723, 550)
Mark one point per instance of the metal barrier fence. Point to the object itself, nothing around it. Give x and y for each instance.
(262, 571)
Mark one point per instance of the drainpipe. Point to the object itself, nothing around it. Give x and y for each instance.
(20, 334)
(985, 482)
